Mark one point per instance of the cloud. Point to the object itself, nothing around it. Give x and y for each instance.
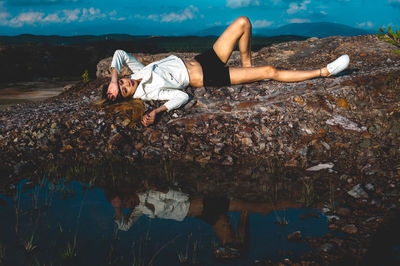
(71, 15)
(299, 20)
(63, 16)
(241, 3)
(294, 7)
(91, 14)
(26, 18)
(188, 13)
(367, 24)
(39, 2)
(3, 14)
(262, 23)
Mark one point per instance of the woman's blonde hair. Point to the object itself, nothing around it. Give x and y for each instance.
(129, 108)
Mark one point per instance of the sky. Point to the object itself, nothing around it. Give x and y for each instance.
(183, 17)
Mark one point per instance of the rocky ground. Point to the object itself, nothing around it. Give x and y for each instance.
(349, 125)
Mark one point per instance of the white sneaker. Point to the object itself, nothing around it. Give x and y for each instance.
(338, 65)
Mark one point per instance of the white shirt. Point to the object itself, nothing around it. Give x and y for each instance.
(172, 205)
(161, 80)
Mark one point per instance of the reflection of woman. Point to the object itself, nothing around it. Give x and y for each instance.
(164, 79)
(177, 205)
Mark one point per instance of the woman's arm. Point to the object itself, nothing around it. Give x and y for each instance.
(121, 58)
(149, 118)
(175, 98)
(112, 91)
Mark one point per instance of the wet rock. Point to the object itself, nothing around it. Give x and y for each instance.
(357, 192)
(350, 229)
(295, 236)
(343, 211)
(326, 247)
(332, 218)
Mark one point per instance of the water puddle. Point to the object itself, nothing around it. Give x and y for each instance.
(20, 92)
(68, 222)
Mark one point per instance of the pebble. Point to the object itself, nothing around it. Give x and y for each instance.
(295, 236)
(357, 192)
(350, 229)
(343, 211)
(326, 247)
(369, 187)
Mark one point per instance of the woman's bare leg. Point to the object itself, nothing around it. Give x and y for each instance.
(242, 75)
(240, 30)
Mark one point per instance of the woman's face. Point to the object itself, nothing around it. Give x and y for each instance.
(127, 87)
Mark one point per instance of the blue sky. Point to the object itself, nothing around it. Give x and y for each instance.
(181, 17)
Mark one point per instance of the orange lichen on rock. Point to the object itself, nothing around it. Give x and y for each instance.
(341, 102)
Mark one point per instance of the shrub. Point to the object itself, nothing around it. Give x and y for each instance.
(390, 36)
(85, 76)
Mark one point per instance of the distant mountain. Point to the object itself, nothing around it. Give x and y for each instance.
(65, 40)
(213, 31)
(319, 29)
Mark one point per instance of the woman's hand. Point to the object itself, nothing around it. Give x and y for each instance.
(112, 91)
(149, 118)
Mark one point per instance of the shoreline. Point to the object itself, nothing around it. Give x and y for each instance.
(20, 92)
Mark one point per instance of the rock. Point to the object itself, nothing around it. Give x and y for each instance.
(268, 121)
(345, 123)
(227, 161)
(247, 142)
(320, 166)
(369, 187)
(343, 211)
(326, 247)
(350, 229)
(295, 236)
(115, 139)
(357, 192)
(155, 136)
(68, 87)
(341, 102)
(199, 92)
(332, 218)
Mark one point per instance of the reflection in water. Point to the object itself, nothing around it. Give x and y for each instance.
(176, 205)
(71, 223)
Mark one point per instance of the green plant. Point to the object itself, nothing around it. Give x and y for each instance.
(281, 219)
(183, 258)
(331, 196)
(85, 76)
(390, 36)
(28, 245)
(70, 251)
(308, 192)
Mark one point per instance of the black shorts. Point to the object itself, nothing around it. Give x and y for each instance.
(215, 72)
(213, 208)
